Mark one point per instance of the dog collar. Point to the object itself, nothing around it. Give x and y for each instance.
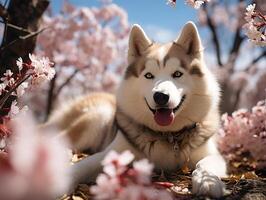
(176, 138)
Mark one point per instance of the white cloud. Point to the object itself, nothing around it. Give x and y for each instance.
(160, 34)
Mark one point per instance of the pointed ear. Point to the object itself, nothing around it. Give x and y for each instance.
(189, 39)
(138, 42)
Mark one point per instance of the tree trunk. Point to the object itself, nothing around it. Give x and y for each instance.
(25, 14)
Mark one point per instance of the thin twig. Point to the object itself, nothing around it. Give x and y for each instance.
(255, 60)
(50, 97)
(237, 97)
(33, 34)
(15, 27)
(3, 100)
(238, 39)
(66, 82)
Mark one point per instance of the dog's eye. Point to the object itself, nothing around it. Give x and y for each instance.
(177, 74)
(149, 75)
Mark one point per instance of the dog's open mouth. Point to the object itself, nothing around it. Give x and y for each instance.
(164, 116)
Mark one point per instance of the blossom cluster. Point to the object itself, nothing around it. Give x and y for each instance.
(193, 3)
(29, 74)
(122, 183)
(88, 46)
(245, 133)
(92, 40)
(37, 71)
(196, 3)
(255, 28)
(35, 165)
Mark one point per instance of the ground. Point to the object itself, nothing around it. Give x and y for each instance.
(244, 183)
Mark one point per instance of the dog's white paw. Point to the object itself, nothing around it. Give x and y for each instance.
(207, 184)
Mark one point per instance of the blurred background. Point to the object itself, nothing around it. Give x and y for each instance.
(87, 41)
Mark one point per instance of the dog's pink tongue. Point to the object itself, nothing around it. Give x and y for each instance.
(164, 117)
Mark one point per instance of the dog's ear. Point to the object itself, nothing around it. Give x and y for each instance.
(138, 42)
(189, 39)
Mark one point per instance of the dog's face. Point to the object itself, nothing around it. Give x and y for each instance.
(167, 86)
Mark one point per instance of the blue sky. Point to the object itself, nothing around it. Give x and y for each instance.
(160, 21)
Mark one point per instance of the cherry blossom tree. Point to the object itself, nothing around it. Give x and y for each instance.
(20, 22)
(239, 64)
(89, 56)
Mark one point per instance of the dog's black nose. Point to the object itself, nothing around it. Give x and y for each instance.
(161, 98)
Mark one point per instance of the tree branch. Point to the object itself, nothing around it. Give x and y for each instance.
(238, 39)
(4, 98)
(50, 97)
(18, 42)
(255, 60)
(29, 36)
(14, 26)
(65, 83)
(215, 39)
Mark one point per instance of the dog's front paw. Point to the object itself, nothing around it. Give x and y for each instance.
(207, 184)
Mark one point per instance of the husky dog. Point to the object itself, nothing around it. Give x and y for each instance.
(165, 109)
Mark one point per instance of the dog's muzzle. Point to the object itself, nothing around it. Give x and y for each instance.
(163, 115)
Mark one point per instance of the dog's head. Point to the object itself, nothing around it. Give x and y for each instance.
(167, 86)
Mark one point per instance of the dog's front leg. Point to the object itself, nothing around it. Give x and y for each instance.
(89, 168)
(208, 171)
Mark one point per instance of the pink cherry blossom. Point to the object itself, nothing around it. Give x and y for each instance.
(193, 3)
(105, 187)
(2, 88)
(255, 26)
(125, 183)
(21, 89)
(19, 63)
(7, 77)
(122, 159)
(138, 192)
(244, 131)
(143, 169)
(171, 2)
(14, 109)
(41, 68)
(115, 164)
(36, 164)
